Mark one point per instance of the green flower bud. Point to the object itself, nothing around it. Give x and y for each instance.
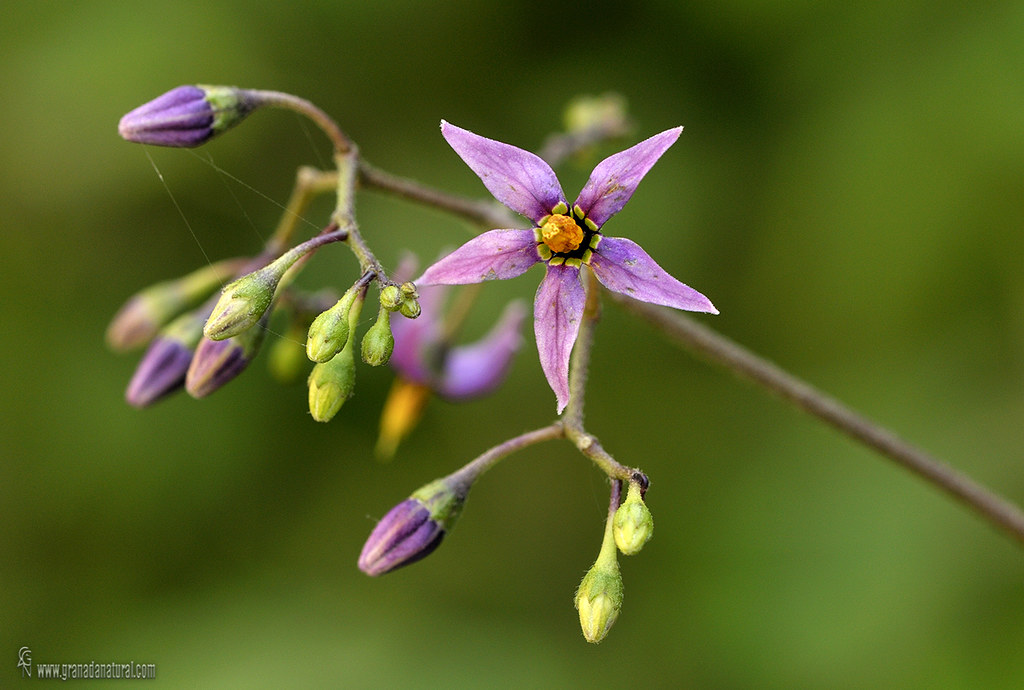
(410, 309)
(378, 342)
(242, 304)
(391, 297)
(329, 332)
(598, 600)
(633, 524)
(246, 300)
(331, 383)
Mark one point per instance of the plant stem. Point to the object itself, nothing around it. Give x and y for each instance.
(309, 183)
(486, 460)
(482, 213)
(278, 99)
(572, 418)
(700, 339)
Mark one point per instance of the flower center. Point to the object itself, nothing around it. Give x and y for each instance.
(561, 234)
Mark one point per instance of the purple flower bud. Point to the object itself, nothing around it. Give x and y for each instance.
(405, 535)
(216, 362)
(187, 116)
(160, 372)
(415, 527)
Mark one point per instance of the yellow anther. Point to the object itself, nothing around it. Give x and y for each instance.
(561, 234)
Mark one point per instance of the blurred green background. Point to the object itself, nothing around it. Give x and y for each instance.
(849, 191)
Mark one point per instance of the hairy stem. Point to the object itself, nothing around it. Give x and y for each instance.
(489, 458)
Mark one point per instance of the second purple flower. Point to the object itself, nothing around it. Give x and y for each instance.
(564, 238)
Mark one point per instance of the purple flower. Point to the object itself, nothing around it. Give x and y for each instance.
(563, 238)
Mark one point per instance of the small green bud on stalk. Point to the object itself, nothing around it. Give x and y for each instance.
(410, 309)
(245, 301)
(242, 304)
(599, 597)
(378, 342)
(330, 331)
(331, 383)
(410, 306)
(633, 524)
(391, 297)
(146, 312)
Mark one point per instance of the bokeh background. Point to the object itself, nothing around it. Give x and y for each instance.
(849, 191)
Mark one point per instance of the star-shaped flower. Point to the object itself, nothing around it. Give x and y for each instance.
(564, 238)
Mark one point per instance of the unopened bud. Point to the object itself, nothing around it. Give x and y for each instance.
(242, 304)
(161, 371)
(402, 410)
(217, 362)
(331, 383)
(391, 297)
(633, 524)
(415, 527)
(378, 342)
(606, 113)
(599, 599)
(146, 312)
(330, 331)
(410, 309)
(188, 116)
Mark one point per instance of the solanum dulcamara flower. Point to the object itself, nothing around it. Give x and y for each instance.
(564, 238)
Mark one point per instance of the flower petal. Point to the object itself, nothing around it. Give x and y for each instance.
(614, 180)
(623, 266)
(517, 178)
(495, 254)
(477, 369)
(557, 310)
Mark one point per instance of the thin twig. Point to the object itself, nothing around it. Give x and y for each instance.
(699, 338)
(483, 213)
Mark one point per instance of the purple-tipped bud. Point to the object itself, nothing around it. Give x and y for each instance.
(160, 372)
(145, 313)
(405, 535)
(187, 116)
(415, 527)
(216, 362)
